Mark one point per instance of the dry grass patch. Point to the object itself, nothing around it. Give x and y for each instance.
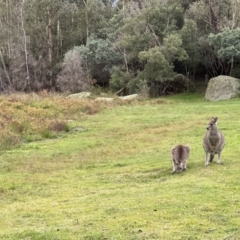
(31, 117)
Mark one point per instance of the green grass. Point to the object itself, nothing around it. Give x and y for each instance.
(113, 180)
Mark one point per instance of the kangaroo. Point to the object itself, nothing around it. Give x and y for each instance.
(213, 142)
(180, 154)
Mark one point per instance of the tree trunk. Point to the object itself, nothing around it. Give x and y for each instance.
(49, 34)
(86, 20)
(5, 69)
(59, 39)
(49, 44)
(231, 67)
(25, 46)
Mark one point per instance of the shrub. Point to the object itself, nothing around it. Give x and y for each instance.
(182, 84)
(73, 77)
(143, 89)
(9, 139)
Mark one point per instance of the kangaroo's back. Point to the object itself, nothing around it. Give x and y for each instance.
(180, 154)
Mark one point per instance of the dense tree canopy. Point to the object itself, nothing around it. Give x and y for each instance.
(65, 45)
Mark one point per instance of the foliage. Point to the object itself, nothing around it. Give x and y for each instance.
(158, 61)
(119, 79)
(226, 45)
(157, 68)
(73, 77)
(145, 27)
(173, 49)
(100, 57)
(212, 17)
(181, 84)
(143, 89)
(189, 34)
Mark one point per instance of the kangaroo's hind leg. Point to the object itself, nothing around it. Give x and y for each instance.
(219, 158)
(185, 166)
(207, 159)
(174, 168)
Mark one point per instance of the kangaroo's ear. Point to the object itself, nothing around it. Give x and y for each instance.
(214, 119)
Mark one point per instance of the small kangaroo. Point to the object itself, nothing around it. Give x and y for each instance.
(180, 154)
(213, 142)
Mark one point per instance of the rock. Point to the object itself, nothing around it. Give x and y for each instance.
(80, 95)
(129, 97)
(222, 88)
(107, 99)
(78, 129)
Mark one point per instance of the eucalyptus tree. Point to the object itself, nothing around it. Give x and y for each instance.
(226, 45)
(73, 77)
(157, 69)
(100, 56)
(212, 17)
(189, 34)
(38, 34)
(159, 61)
(96, 14)
(146, 25)
(13, 40)
(97, 48)
(235, 14)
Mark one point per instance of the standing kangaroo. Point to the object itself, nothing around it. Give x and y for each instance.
(213, 142)
(180, 155)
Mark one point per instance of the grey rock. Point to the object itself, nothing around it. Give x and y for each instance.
(107, 99)
(80, 95)
(222, 88)
(129, 97)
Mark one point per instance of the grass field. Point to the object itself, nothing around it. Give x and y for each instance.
(111, 178)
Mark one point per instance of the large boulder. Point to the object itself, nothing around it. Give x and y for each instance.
(222, 88)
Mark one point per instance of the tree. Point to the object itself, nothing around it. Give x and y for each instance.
(210, 16)
(25, 44)
(189, 36)
(73, 77)
(100, 56)
(145, 26)
(159, 61)
(119, 80)
(16, 42)
(173, 49)
(234, 10)
(226, 45)
(156, 68)
(146, 23)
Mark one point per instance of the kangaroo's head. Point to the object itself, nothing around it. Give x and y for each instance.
(212, 124)
(179, 166)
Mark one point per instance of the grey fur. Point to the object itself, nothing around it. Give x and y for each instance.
(180, 154)
(213, 142)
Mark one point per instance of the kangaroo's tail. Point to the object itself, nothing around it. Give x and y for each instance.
(211, 157)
